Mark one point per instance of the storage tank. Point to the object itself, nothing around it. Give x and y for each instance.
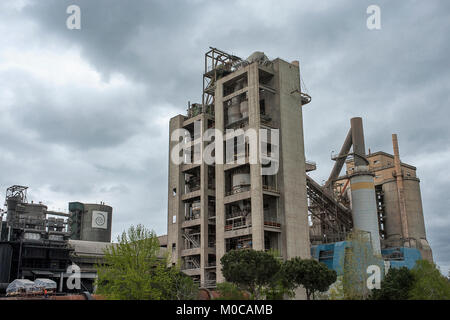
(364, 206)
(392, 220)
(241, 182)
(244, 108)
(234, 113)
(414, 216)
(364, 203)
(404, 211)
(239, 85)
(196, 208)
(96, 223)
(414, 211)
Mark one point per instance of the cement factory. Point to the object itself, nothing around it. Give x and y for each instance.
(226, 205)
(37, 244)
(232, 204)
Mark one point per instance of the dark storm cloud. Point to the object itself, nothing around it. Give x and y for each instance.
(80, 118)
(150, 41)
(396, 78)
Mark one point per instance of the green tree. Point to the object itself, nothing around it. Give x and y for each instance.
(358, 256)
(336, 291)
(134, 269)
(429, 283)
(230, 291)
(182, 287)
(395, 286)
(314, 276)
(277, 288)
(250, 270)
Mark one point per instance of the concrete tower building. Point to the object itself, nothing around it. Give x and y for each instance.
(254, 194)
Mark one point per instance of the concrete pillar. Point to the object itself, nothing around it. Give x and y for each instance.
(203, 207)
(220, 183)
(255, 169)
(175, 191)
(292, 162)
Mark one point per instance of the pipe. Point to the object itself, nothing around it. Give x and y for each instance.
(359, 148)
(341, 159)
(345, 186)
(400, 187)
(19, 262)
(54, 213)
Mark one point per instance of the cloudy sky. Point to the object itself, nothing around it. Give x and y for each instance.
(84, 113)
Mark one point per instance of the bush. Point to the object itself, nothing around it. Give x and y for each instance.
(230, 291)
(395, 286)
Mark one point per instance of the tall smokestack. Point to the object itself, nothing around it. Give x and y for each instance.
(400, 187)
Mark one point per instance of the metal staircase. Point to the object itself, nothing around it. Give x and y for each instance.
(194, 243)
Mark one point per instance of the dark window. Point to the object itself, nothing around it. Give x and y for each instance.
(262, 106)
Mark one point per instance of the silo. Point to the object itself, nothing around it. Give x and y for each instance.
(410, 207)
(414, 211)
(234, 113)
(414, 214)
(392, 220)
(96, 223)
(244, 108)
(241, 182)
(76, 210)
(364, 205)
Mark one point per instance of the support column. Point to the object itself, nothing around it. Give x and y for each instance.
(220, 181)
(203, 206)
(175, 205)
(257, 210)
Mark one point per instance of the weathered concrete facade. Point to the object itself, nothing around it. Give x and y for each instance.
(231, 204)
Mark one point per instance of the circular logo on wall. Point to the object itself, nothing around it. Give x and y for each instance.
(99, 219)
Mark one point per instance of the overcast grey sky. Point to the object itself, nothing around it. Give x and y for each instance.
(84, 113)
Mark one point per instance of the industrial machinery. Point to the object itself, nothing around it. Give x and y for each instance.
(33, 240)
(37, 243)
(378, 196)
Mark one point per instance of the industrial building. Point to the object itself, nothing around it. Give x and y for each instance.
(230, 203)
(383, 195)
(38, 243)
(214, 208)
(398, 201)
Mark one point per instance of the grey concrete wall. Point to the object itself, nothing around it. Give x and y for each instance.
(292, 162)
(220, 182)
(255, 169)
(90, 233)
(414, 214)
(414, 210)
(175, 205)
(364, 207)
(393, 224)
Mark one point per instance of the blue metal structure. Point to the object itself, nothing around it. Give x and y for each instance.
(333, 255)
